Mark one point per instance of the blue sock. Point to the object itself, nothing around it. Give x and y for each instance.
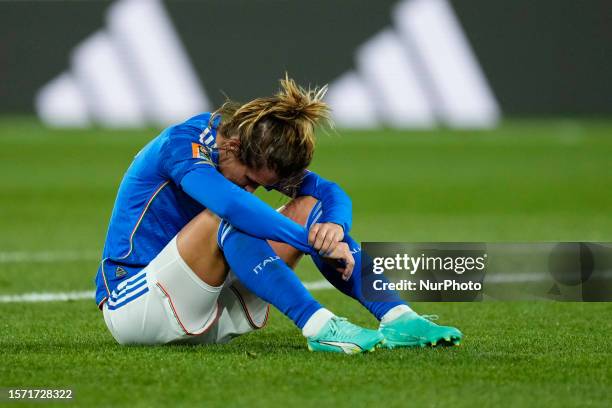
(266, 275)
(352, 287)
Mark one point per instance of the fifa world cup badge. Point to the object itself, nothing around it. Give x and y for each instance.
(201, 152)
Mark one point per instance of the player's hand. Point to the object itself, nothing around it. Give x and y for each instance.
(342, 259)
(325, 237)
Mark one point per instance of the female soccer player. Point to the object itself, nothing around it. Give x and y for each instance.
(191, 256)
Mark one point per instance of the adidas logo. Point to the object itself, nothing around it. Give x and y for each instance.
(133, 72)
(419, 73)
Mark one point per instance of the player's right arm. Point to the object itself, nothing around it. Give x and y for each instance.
(243, 210)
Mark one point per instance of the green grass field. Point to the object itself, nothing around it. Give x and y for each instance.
(546, 180)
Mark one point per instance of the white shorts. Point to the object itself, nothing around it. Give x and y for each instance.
(181, 308)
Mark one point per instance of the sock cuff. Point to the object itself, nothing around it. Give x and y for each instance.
(316, 322)
(395, 312)
(315, 214)
(224, 230)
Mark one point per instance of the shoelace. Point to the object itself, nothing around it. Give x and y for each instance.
(431, 318)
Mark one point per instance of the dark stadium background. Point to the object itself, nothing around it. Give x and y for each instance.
(545, 57)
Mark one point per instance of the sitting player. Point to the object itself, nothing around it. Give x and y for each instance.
(191, 256)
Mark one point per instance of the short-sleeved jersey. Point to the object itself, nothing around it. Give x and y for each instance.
(151, 207)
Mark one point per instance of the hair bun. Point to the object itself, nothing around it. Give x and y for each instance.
(294, 102)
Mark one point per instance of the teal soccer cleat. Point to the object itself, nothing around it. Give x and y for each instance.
(340, 336)
(412, 330)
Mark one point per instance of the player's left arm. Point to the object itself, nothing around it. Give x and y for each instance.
(337, 215)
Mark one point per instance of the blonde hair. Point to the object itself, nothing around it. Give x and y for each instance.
(277, 132)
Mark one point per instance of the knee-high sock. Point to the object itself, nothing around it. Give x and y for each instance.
(266, 275)
(352, 287)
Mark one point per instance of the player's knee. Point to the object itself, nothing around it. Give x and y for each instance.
(202, 226)
(210, 218)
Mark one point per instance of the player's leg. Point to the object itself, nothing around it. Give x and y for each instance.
(399, 323)
(242, 311)
(304, 210)
(352, 287)
(262, 271)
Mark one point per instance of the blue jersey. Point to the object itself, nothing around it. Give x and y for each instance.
(170, 181)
